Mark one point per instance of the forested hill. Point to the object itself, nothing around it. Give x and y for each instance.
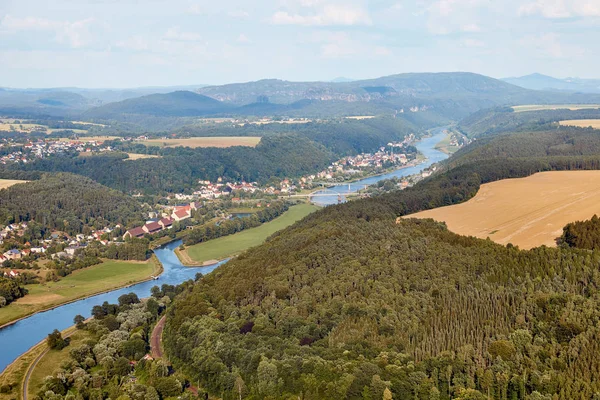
(504, 119)
(175, 104)
(67, 202)
(306, 149)
(179, 169)
(350, 302)
(448, 96)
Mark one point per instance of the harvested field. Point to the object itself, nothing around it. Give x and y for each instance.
(527, 212)
(539, 107)
(582, 123)
(135, 156)
(6, 183)
(225, 141)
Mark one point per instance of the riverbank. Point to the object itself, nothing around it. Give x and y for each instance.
(81, 284)
(228, 246)
(14, 375)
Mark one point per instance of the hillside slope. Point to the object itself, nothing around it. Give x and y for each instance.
(66, 202)
(348, 302)
(174, 104)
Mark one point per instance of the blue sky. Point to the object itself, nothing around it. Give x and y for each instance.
(130, 43)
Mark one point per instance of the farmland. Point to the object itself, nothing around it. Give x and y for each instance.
(196, 142)
(227, 246)
(135, 156)
(6, 183)
(25, 127)
(527, 212)
(582, 123)
(538, 107)
(109, 275)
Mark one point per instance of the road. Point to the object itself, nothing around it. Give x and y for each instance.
(25, 386)
(155, 348)
(156, 338)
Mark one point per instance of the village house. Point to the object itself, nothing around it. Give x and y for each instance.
(152, 227)
(166, 222)
(72, 249)
(136, 232)
(181, 214)
(11, 274)
(13, 254)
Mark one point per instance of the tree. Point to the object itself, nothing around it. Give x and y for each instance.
(128, 299)
(55, 340)
(79, 320)
(240, 386)
(387, 394)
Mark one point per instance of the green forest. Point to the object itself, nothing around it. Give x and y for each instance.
(68, 203)
(284, 152)
(582, 234)
(350, 303)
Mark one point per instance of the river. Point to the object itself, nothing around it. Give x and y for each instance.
(19, 337)
(425, 146)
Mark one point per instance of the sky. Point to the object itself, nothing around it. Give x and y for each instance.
(133, 43)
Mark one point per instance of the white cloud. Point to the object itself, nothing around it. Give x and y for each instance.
(556, 9)
(470, 28)
(473, 43)
(242, 38)
(176, 35)
(341, 45)
(241, 14)
(382, 51)
(448, 16)
(550, 45)
(195, 9)
(76, 34)
(136, 43)
(327, 15)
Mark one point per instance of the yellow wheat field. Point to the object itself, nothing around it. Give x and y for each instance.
(582, 123)
(225, 141)
(527, 212)
(6, 183)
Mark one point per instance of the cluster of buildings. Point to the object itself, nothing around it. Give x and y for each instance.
(390, 154)
(71, 244)
(42, 148)
(209, 190)
(166, 220)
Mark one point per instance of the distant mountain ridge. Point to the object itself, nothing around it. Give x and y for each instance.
(436, 97)
(411, 84)
(174, 104)
(544, 82)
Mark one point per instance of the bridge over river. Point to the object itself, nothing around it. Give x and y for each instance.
(352, 192)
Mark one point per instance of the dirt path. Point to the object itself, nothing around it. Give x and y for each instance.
(156, 338)
(25, 386)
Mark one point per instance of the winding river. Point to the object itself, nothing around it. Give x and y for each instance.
(425, 146)
(19, 337)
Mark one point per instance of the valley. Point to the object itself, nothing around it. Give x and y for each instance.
(197, 203)
(90, 281)
(264, 295)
